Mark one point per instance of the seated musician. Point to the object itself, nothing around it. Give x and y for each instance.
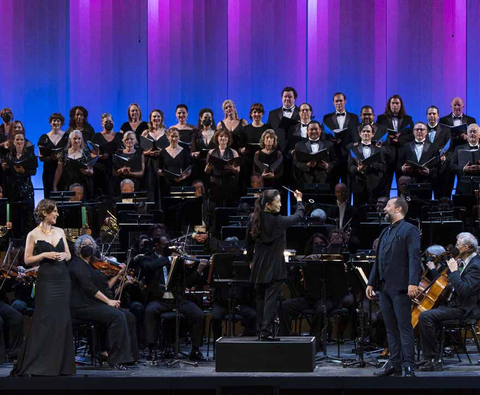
(435, 264)
(92, 300)
(464, 275)
(243, 303)
(23, 295)
(200, 237)
(314, 171)
(11, 321)
(79, 192)
(155, 266)
(126, 186)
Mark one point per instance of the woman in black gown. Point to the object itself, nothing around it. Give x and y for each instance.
(48, 348)
(134, 123)
(232, 123)
(156, 132)
(223, 183)
(270, 156)
(174, 159)
(202, 142)
(54, 140)
(129, 151)
(20, 165)
(78, 121)
(74, 166)
(109, 142)
(93, 300)
(266, 236)
(187, 131)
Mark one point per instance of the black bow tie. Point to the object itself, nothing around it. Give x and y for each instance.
(314, 142)
(474, 147)
(287, 109)
(434, 129)
(366, 145)
(457, 117)
(340, 114)
(419, 142)
(304, 124)
(395, 116)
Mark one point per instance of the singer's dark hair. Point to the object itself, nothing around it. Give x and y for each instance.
(267, 196)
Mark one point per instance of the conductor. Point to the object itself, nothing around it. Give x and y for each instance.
(266, 243)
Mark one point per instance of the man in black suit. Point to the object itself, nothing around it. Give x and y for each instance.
(367, 117)
(464, 187)
(341, 119)
(439, 135)
(288, 110)
(457, 117)
(418, 151)
(464, 303)
(314, 172)
(396, 274)
(298, 132)
(367, 180)
(395, 118)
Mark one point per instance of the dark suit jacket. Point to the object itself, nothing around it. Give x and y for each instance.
(402, 123)
(441, 137)
(467, 288)
(463, 188)
(448, 119)
(306, 175)
(293, 137)
(351, 122)
(372, 180)
(408, 153)
(274, 118)
(402, 266)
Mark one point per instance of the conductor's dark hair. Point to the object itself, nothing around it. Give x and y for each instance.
(267, 196)
(401, 202)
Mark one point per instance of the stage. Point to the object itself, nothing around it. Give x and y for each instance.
(328, 378)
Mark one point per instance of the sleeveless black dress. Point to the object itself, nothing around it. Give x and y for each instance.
(48, 347)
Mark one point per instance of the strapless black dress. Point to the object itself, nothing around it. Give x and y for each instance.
(48, 348)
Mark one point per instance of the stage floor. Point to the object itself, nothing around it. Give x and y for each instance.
(329, 377)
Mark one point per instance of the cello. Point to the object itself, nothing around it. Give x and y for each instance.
(435, 292)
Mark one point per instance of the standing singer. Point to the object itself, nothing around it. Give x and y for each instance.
(396, 274)
(266, 237)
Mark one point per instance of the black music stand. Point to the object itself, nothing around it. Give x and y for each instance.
(182, 208)
(176, 285)
(225, 271)
(357, 282)
(61, 196)
(422, 191)
(70, 215)
(329, 278)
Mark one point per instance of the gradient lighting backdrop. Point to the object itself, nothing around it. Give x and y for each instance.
(106, 54)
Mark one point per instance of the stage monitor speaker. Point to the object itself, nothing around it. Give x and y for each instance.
(247, 354)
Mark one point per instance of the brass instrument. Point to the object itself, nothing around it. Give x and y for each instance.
(110, 228)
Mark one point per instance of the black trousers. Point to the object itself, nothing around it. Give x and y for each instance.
(268, 295)
(121, 327)
(249, 319)
(11, 324)
(194, 315)
(427, 327)
(397, 314)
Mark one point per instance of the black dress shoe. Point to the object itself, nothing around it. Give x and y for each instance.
(388, 371)
(268, 338)
(197, 356)
(409, 372)
(431, 366)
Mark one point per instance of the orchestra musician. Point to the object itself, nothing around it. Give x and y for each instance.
(464, 275)
(92, 300)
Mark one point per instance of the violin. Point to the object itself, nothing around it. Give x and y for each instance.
(107, 266)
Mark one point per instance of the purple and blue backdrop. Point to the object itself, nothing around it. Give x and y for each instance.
(106, 54)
